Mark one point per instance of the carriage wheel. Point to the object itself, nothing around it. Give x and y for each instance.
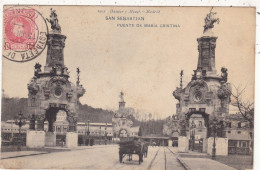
(120, 157)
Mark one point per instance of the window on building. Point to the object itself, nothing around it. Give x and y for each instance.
(229, 131)
(229, 124)
(239, 125)
(192, 109)
(200, 123)
(243, 144)
(202, 110)
(239, 132)
(204, 72)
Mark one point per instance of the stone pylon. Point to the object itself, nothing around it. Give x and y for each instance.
(207, 95)
(50, 90)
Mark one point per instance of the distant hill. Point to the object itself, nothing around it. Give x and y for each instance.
(12, 106)
(96, 115)
(152, 127)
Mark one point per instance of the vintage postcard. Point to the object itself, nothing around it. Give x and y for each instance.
(117, 87)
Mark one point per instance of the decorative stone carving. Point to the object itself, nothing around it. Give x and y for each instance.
(72, 123)
(40, 121)
(194, 76)
(210, 20)
(198, 92)
(58, 80)
(46, 92)
(224, 74)
(171, 126)
(80, 91)
(69, 95)
(32, 122)
(177, 93)
(54, 21)
(209, 95)
(33, 88)
(37, 69)
(224, 92)
(197, 82)
(183, 126)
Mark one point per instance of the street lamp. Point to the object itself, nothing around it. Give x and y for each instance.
(85, 134)
(106, 135)
(20, 121)
(100, 137)
(88, 133)
(193, 126)
(214, 126)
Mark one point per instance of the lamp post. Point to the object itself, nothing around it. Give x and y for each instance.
(88, 133)
(106, 134)
(193, 126)
(214, 126)
(85, 134)
(20, 121)
(100, 137)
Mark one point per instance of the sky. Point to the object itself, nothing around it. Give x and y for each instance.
(145, 62)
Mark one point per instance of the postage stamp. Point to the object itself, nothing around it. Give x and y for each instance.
(25, 33)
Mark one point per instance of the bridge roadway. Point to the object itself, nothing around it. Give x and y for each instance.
(97, 157)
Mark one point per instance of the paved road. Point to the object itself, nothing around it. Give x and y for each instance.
(96, 158)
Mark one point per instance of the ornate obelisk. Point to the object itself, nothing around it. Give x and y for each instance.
(50, 89)
(207, 95)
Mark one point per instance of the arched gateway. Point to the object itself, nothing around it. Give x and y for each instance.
(206, 96)
(50, 89)
(121, 123)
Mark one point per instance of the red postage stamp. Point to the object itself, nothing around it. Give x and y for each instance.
(25, 33)
(19, 29)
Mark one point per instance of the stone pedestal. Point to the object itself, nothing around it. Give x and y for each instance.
(205, 145)
(221, 146)
(50, 139)
(71, 139)
(35, 139)
(169, 142)
(183, 144)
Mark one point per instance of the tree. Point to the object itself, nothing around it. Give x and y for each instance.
(150, 116)
(246, 109)
(140, 131)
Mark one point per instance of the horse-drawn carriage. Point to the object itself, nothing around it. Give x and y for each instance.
(130, 146)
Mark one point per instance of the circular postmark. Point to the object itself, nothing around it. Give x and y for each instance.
(25, 33)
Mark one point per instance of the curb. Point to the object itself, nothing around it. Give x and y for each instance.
(24, 155)
(90, 147)
(183, 163)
